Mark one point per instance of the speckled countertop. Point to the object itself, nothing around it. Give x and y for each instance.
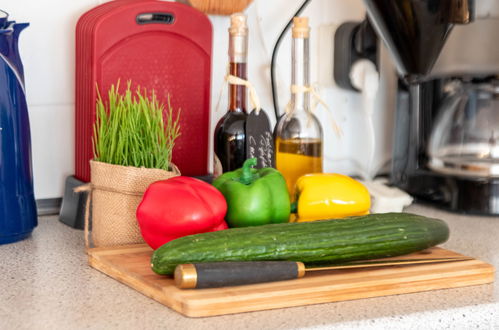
(45, 283)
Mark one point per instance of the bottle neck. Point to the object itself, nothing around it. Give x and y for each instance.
(300, 73)
(238, 45)
(237, 93)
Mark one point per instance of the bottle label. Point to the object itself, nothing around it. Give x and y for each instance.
(259, 139)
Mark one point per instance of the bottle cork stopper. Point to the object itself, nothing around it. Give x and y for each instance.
(300, 27)
(238, 24)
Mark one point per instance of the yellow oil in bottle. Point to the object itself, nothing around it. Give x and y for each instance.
(297, 157)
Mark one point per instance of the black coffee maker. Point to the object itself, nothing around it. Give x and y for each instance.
(415, 31)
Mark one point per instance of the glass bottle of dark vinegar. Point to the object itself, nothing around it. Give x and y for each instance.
(230, 137)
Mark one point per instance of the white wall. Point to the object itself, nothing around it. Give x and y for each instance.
(47, 49)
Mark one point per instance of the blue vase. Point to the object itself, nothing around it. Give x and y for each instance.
(18, 214)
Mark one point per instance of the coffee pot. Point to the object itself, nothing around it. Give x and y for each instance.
(465, 138)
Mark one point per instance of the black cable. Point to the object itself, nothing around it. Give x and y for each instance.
(274, 55)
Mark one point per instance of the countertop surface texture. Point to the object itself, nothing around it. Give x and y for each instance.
(45, 283)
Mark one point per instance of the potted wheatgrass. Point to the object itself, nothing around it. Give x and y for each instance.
(133, 142)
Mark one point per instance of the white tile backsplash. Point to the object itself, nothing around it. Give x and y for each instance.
(52, 141)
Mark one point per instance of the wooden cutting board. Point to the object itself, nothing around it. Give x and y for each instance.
(131, 265)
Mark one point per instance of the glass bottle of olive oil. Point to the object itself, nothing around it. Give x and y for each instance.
(298, 134)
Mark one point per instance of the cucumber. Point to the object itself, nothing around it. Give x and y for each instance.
(317, 242)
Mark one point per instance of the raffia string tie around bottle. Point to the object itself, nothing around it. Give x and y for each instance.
(317, 99)
(255, 101)
(222, 89)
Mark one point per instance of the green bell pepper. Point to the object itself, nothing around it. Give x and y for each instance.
(254, 197)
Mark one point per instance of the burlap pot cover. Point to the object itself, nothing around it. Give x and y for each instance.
(115, 194)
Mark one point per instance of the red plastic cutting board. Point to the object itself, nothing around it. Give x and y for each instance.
(171, 58)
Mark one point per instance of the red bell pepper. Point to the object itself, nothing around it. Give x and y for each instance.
(178, 207)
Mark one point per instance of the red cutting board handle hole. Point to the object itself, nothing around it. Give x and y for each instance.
(155, 18)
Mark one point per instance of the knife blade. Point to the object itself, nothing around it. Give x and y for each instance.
(231, 273)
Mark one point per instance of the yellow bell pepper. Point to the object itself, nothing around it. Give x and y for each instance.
(326, 196)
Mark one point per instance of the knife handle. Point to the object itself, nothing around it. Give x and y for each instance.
(229, 273)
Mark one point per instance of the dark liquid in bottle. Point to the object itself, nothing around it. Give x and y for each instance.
(230, 135)
(230, 140)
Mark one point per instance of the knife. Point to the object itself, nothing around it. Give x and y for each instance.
(230, 273)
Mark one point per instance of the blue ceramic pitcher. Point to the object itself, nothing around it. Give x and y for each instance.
(17, 202)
